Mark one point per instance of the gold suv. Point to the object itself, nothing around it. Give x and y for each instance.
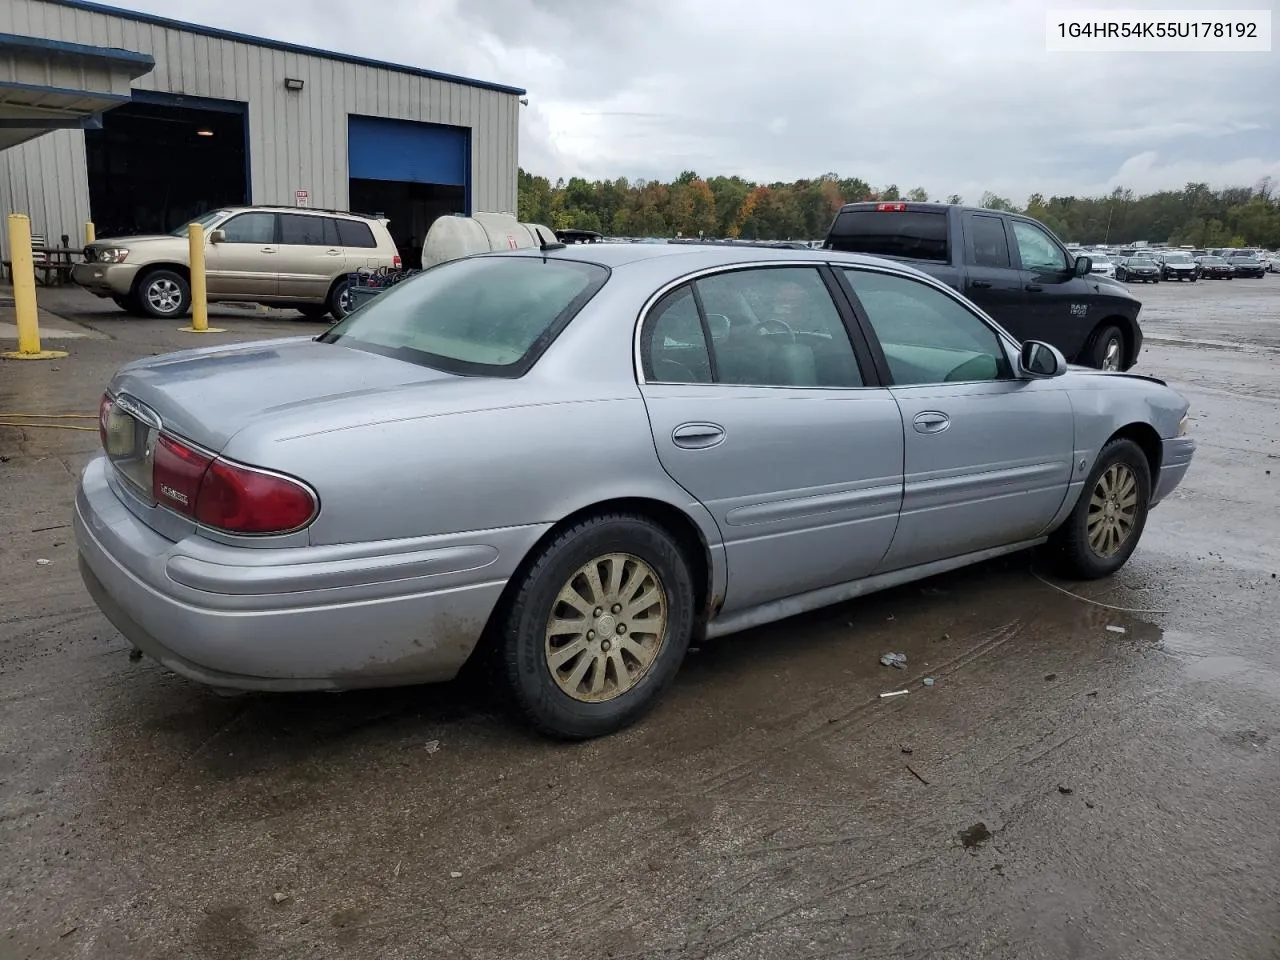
(281, 256)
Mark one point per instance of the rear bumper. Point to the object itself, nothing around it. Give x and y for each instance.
(105, 279)
(1174, 462)
(301, 618)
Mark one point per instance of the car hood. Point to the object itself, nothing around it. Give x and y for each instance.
(1180, 266)
(209, 395)
(132, 243)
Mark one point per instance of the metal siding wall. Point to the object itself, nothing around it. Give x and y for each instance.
(296, 140)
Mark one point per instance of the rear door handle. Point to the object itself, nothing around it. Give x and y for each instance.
(931, 421)
(697, 436)
(267, 250)
(1034, 287)
(334, 253)
(980, 284)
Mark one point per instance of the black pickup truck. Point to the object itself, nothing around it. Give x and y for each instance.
(1011, 266)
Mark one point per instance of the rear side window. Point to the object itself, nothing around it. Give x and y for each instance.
(480, 316)
(915, 234)
(990, 245)
(353, 233)
(674, 344)
(301, 230)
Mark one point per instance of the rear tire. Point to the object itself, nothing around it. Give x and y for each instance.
(1103, 530)
(1107, 349)
(339, 299)
(163, 294)
(580, 653)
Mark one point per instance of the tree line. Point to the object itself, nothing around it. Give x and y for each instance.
(691, 206)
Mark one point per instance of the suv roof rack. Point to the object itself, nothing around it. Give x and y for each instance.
(282, 206)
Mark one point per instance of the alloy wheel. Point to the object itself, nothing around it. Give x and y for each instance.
(607, 627)
(1111, 357)
(1113, 510)
(164, 295)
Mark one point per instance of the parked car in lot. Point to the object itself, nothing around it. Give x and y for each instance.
(1011, 266)
(1177, 266)
(746, 410)
(1246, 265)
(279, 256)
(1102, 265)
(1214, 268)
(1138, 269)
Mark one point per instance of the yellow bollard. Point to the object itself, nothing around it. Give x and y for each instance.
(199, 293)
(89, 233)
(24, 293)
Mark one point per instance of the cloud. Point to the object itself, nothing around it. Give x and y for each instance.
(954, 97)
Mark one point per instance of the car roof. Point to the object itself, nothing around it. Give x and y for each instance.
(691, 256)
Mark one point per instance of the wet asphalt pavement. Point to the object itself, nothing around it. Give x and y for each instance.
(1127, 783)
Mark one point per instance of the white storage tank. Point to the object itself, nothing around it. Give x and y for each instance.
(453, 237)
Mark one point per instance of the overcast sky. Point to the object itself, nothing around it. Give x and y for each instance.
(952, 95)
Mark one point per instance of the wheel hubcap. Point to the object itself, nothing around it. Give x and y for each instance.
(164, 296)
(607, 626)
(1113, 510)
(1111, 358)
(344, 301)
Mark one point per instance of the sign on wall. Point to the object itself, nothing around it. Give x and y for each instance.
(301, 198)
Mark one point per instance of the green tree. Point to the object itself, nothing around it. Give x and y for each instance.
(918, 194)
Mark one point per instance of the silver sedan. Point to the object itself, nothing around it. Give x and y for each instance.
(573, 461)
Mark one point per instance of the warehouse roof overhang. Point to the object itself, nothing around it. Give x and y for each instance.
(52, 85)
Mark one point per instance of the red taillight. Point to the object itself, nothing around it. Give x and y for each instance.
(242, 500)
(395, 261)
(227, 496)
(104, 414)
(891, 207)
(176, 474)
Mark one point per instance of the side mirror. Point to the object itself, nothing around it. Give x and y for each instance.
(217, 236)
(1084, 266)
(1040, 361)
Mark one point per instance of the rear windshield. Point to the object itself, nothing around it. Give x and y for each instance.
(480, 316)
(914, 234)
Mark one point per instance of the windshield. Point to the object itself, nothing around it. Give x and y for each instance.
(479, 316)
(1177, 258)
(1140, 262)
(1217, 260)
(212, 217)
(1099, 260)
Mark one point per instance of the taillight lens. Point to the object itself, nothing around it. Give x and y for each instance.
(243, 500)
(395, 261)
(227, 496)
(176, 475)
(104, 417)
(891, 207)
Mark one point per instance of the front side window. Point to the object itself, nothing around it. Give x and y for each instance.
(250, 228)
(1037, 249)
(927, 336)
(206, 221)
(480, 316)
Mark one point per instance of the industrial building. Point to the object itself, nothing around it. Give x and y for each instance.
(139, 123)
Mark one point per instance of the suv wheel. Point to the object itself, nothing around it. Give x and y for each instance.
(340, 299)
(164, 294)
(314, 311)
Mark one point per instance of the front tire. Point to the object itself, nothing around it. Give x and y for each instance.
(1107, 351)
(598, 627)
(164, 294)
(1103, 530)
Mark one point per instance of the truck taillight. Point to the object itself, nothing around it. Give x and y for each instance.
(227, 496)
(891, 207)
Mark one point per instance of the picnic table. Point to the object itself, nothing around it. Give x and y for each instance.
(52, 264)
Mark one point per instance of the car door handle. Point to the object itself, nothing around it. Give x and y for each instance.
(931, 421)
(1034, 287)
(333, 253)
(697, 436)
(980, 284)
(267, 250)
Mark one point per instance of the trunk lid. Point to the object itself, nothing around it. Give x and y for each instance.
(209, 395)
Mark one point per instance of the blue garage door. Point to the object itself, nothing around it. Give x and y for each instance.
(407, 151)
